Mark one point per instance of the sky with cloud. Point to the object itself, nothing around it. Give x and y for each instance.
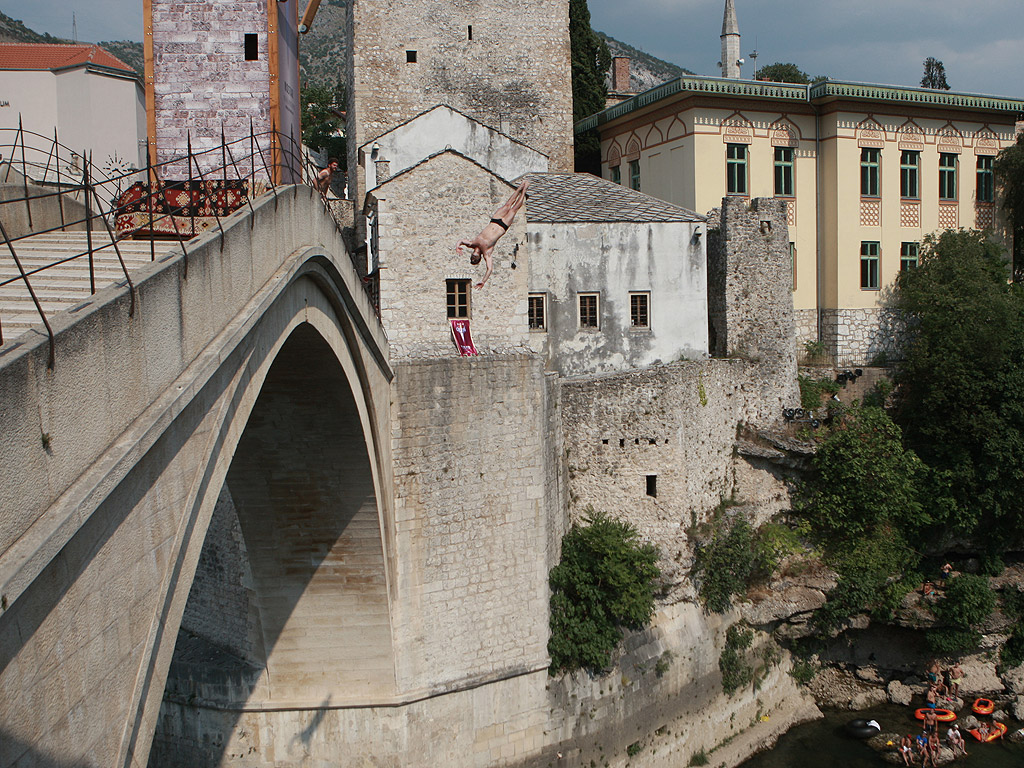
(981, 42)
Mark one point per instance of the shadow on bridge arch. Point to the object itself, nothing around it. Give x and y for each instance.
(289, 604)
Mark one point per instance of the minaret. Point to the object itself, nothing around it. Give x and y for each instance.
(730, 62)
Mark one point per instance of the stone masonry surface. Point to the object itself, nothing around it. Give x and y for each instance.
(422, 213)
(513, 75)
(475, 447)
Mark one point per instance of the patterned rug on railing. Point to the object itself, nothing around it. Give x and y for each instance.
(181, 208)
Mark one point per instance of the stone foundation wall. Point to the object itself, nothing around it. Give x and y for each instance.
(806, 327)
(477, 508)
(661, 712)
(678, 424)
(859, 336)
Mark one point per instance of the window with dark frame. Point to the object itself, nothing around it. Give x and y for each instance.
(252, 47)
(458, 298)
(588, 303)
(869, 172)
(910, 174)
(909, 254)
(634, 175)
(784, 172)
(736, 169)
(536, 311)
(947, 176)
(986, 191)
(639, 310)
(616, 174)
(652, 486)
(869, 265)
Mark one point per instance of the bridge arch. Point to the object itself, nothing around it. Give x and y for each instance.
(106, 596)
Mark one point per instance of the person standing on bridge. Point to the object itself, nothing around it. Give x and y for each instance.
(323, 179)
(483, 244)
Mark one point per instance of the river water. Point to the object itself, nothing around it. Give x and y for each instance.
(824, 744)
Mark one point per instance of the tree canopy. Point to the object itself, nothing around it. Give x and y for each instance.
(960, 385)
(934, 75)
(782, 73)
(590, 60)
(320, 120)
(1009, 171)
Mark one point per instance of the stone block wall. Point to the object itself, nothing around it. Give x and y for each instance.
(202, 80)
(677, 423)
(511, 73)
(859, 336)
(806, 322)
(475, 445)
(421, 215)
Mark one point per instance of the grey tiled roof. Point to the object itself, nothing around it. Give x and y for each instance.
(562, 198)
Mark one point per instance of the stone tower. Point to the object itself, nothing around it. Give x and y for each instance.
(507, 67)
(730, 42)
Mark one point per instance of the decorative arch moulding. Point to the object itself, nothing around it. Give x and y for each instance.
(738, 134)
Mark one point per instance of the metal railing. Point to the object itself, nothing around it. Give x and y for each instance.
(50, 170)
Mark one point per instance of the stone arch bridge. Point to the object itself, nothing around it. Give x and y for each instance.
(261, 365)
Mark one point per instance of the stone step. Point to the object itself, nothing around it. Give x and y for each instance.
(62, 283)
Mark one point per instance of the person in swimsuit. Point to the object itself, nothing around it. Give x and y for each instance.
(956, 676)
(907, 750)
(483, 244)
(956, 739)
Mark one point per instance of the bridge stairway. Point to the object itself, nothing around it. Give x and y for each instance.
(63, 286)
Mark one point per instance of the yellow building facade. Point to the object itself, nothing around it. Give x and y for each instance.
(867, 172)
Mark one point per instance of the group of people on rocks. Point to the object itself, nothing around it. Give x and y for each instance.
(942, 688)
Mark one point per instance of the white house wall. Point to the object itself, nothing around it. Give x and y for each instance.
(443, 128)
(615, 259)
(103, 113)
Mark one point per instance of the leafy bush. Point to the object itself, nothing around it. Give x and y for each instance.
(735, 557)
(603, 582)
(951, 641)
(813, 391)
(968, 601)
(700, 757)
(663, 664)
(863, 480)
(1012, 653)
(803, 671)
(736, 671)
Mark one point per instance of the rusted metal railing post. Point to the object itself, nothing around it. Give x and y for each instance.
(263, 159)
(191, 206)
(60, 193)
(113, 242)
(212, 202)
(88, 222)
(174, 223)
(248, 193)
(24, 172)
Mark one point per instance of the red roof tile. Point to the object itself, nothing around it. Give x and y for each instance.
(49, 56)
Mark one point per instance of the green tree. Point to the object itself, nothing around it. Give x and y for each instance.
(960, 386)
(863, 480)
(603, 582)
(782, 73)
(320, 119)
(934, 75)
(590, 60)
(1009, 171)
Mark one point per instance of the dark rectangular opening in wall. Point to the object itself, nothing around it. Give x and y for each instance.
(410, 57)
(652, 485)
(470, 31)
(622, 442)
(604, 441)
(252, 50)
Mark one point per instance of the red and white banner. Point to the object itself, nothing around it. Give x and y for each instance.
(462, 337)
